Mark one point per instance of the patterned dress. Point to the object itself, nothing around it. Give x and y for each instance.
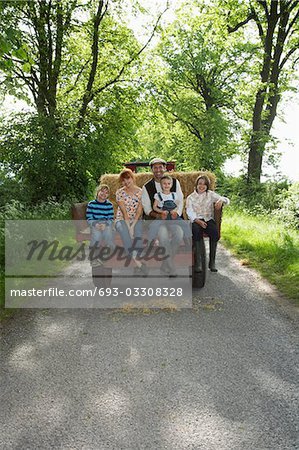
(131, 202)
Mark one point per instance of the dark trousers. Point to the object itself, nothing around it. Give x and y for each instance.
(211, 231)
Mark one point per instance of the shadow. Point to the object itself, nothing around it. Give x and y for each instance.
(211, 379)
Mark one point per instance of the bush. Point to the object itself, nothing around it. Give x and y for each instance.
(289, 206)
(267, 246)
(15, 210)
(260, 198)
(41, 159)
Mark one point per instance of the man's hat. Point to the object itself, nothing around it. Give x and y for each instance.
(157, 161)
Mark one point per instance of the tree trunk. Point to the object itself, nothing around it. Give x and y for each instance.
(54, 66)
(88, 95)
(257, 141)
(50, 21)
(42, 84)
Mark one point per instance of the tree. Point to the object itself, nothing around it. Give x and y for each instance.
(45, 159)
(33, 38)
(200, 82)
(277, 24)
(75, 62)
(35, 51)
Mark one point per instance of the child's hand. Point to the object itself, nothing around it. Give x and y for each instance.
(174, 214)
(164, 215)
(100, 226)
(131, 229)
(202, 223)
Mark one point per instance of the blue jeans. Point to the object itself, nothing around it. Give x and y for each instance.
(100, 236)
(123, 230)
(173, 223)
(171, 246)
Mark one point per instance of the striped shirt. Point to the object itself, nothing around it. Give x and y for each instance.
(99, 212)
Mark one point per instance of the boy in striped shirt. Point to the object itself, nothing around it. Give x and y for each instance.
(100, 215)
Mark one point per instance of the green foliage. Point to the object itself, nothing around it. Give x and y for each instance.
(28, 31)
(266, 245)
(18, 210)
(191, 100)
(55, 154)
(117, 45)
(288, 210)
(43, 159)
(49, 210)
(195, 79)
(256, 197)
(279, 200)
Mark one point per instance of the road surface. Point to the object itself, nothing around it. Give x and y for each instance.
(220, 376)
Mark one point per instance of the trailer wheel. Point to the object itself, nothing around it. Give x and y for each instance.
(102, 276)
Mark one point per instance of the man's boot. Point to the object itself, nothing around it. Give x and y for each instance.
(188, 243)
(198, 264)
(174, 249)
(213, 246)
(166, 266)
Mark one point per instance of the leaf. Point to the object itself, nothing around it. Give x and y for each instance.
(26, 67)
(5, 46)
(20, 53)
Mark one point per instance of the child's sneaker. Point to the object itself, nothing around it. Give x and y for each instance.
(141, 271)
(96, 262)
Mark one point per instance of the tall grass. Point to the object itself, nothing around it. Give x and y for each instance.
(16, 210)
(266, 244)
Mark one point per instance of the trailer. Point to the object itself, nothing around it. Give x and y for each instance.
(102, 276)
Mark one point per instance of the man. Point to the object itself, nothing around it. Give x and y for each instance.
(170, 243)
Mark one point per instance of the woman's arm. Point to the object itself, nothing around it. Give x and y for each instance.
(139, 212)
(122, 207)
(121, 203)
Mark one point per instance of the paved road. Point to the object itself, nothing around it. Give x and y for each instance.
(219, 376)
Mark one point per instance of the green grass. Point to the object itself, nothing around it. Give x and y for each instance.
(266, 245)
(15, 210)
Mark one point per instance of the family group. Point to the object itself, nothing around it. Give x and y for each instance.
(161, 200)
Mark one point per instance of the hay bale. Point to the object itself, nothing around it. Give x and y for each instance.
(186, 179)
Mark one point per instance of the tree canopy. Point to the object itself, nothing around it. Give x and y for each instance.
(207, 87)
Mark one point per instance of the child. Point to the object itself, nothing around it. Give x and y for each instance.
(200, 210)
(165, 203)
(100, 215)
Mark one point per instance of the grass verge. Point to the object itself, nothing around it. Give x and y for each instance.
(268, 246)
(15, 210)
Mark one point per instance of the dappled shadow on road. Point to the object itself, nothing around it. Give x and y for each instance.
(219, 376)
(208, 378)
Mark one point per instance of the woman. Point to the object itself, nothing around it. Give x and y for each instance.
(128, 215)
(200, 210)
